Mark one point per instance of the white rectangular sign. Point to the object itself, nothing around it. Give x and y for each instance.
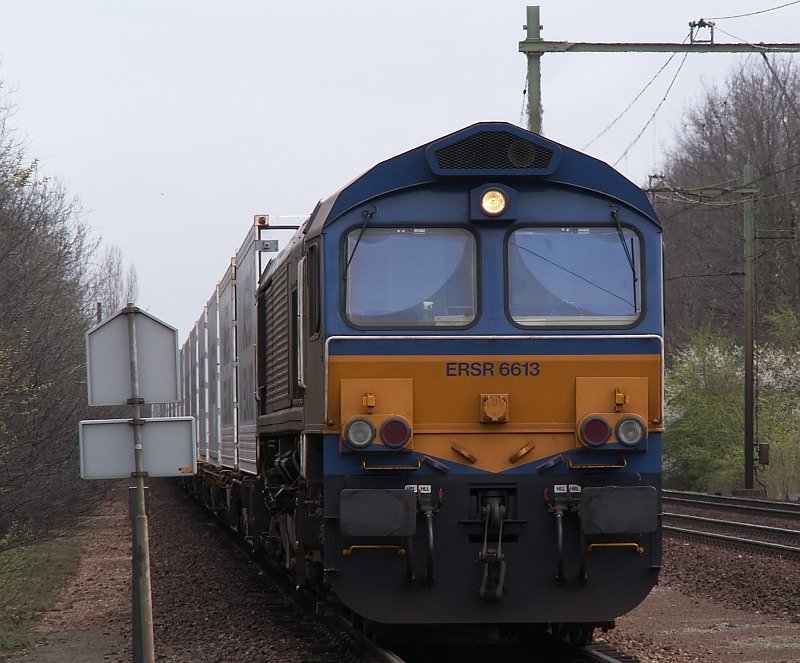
(169, 448)
(108, 363)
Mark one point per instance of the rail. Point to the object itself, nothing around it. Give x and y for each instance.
(721, 530)
(605, 654)
(295, 611)
(790, 510)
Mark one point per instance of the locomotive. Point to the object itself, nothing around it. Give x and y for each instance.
(441, 403)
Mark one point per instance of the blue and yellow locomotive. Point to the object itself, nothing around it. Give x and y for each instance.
(455, 375)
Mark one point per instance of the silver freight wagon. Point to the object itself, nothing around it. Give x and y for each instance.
(220, 355)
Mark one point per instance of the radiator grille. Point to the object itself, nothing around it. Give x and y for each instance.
(278, 357)
(493, 150)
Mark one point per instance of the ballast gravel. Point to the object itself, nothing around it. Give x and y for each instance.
(712, 605)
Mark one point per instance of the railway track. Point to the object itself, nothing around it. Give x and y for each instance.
(784, 510)
(604, 654)
(729, 528)
(331, 640)
(335, 639)
(546, 650)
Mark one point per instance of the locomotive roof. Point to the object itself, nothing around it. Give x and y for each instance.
(485, 149)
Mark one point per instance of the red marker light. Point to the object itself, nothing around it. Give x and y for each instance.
(395, 432)
(595, 431)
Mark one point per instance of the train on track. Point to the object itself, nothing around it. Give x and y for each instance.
(441, 403)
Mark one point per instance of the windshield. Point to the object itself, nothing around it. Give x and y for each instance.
(411, 277)
(574, 276)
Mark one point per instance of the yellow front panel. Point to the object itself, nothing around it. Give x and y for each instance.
(449, 399)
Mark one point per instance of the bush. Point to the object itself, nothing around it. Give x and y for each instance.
(704, 438)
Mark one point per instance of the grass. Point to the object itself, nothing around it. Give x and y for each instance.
(30, 576)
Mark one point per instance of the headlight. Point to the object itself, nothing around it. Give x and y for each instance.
(395, 432)
(630, 431)
(359, 433)
(594, 431)
(493, 202)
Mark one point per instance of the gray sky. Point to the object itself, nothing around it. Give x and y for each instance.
(175, 121)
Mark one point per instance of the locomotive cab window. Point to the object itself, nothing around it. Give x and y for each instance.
(314, 291)
(411, 277)
(574, 276)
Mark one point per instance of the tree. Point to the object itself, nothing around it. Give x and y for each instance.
(751, 119)
(51, 271)
(46, 292)
(112, 286)
(747, 120)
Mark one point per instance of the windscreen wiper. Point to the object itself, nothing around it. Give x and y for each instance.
(367, 214)
(615, 216)
(628, 253)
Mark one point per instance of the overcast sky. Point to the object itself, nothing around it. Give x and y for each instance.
(174, 121)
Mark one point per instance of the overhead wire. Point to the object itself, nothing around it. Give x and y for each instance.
(755, 181)
(780, 85)
(655, 112)
(686, 199)
(780, 242)
(700, 276)
(743, 40)
(709, 263)
(658, 73)
(635, 99)
(759, 179)
(779, 192)
(761, 48)
(683, 195)
(760, 11)
(794, 109)
(722, 184)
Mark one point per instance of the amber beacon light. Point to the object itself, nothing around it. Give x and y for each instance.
(493, 202)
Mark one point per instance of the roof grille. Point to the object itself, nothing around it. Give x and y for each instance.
(493, 150)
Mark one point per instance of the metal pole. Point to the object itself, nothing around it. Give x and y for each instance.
(142, 598)
(534, 33)
(749, 286)
(749, 190)
(534, 47)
